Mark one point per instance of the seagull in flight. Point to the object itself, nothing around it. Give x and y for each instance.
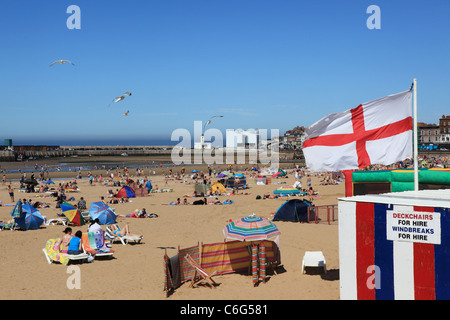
(117, 99)
(126, 113)
(62, 62)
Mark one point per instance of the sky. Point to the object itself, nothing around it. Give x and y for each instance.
(259, 63)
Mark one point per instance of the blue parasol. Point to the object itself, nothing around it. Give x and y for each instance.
(30, 219)
(103, 212)
(48, 181)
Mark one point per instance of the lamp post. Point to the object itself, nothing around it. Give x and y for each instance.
(203, 133)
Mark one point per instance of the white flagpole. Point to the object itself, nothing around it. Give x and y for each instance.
(416, 147)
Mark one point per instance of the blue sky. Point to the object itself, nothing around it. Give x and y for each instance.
(259, 63)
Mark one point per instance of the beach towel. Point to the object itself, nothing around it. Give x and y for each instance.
(53, 252)
(99, 239)
(175, 271)
(94, 242)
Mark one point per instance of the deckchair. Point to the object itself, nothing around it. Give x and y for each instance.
(86, 216)
(6, 225)
(200, 272)
(53, 254)
(55, 221)
(109, 235)
(94, 244)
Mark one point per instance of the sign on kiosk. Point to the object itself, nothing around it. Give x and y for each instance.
(422, 227)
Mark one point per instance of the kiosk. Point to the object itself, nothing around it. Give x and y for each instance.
(395, 246)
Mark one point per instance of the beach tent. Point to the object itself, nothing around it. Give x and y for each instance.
(126, 192)
(294, 210)
(218, 187)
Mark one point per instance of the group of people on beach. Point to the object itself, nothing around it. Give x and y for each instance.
(72, 244)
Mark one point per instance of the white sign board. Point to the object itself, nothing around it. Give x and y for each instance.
(414, 226)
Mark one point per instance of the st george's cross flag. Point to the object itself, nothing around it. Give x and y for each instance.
(376, 132)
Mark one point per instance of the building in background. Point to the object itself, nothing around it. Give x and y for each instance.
(428, 133)
(242, 139)
(444, 129)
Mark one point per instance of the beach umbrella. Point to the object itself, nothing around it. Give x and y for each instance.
(103, 212)
(48, 181)
(72, 213)
(221, 175)
(31, 219)
(251, 228)
(227, 173)
(194, 171)
(239, 175)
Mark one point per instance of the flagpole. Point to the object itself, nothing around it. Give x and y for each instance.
(416, 147)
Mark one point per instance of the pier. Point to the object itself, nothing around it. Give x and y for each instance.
(20, 153)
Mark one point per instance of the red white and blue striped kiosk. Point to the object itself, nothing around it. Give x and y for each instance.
(395, 246)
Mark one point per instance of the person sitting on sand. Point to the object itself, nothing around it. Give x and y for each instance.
(217, 201)
(81, 204)
(185, 201)
(123, 232)
(143, 213)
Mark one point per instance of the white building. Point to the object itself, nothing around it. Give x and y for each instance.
(242, 139)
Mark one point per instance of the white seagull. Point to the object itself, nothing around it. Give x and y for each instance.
(62, 62)
(117, 99)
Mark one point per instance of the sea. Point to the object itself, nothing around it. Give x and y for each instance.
(29, 165)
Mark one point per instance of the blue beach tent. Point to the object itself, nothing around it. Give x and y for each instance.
(294, 210)
(126, 192)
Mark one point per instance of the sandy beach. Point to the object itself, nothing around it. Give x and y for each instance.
(136, 270)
